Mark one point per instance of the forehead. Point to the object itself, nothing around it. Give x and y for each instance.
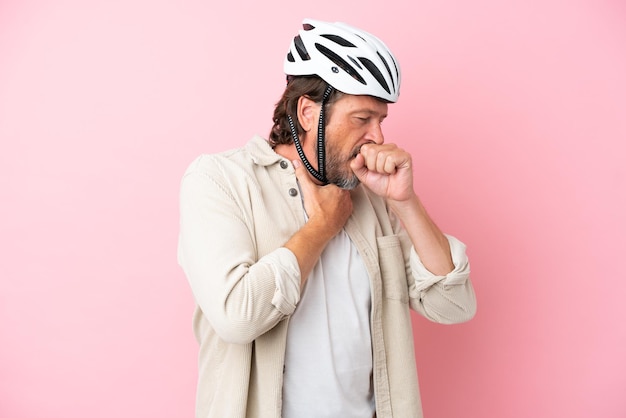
(354, 104)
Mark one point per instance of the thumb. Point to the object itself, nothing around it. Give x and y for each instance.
(301, 173)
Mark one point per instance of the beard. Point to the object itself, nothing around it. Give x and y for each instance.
(338, 171)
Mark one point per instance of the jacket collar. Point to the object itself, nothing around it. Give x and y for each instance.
(261, 151)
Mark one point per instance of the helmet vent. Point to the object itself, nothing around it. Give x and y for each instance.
(339, 40)
(304, 54)
(355, 62)
(375, 72)
(388, 70)
(341, 63)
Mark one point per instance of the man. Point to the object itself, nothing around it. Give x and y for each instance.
(305, 252)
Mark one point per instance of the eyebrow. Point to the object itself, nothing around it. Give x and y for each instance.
(369, 111)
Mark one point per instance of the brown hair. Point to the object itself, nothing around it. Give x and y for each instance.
(311, 86)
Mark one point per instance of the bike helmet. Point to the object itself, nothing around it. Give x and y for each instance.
(349, 59)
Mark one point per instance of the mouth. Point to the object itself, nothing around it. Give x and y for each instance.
(356, 152)
(357, 149)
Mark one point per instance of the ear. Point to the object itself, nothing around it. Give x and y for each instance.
(308, 113)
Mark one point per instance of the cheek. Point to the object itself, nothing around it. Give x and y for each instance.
(345, 143)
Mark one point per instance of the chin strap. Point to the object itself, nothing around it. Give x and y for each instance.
(321, 148)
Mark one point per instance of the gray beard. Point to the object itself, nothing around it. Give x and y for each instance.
(346, 183)
(336, 176)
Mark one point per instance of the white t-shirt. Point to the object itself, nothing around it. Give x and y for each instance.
(328, 360)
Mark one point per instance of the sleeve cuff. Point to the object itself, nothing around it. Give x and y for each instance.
(425, 279)
(287, 279)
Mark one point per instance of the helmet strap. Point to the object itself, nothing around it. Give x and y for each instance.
(319, 174)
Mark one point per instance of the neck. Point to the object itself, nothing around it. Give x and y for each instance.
(289, 152)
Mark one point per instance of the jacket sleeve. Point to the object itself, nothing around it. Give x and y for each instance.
(445, 299)
(241, 295)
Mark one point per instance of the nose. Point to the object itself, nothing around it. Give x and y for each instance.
(375, 133)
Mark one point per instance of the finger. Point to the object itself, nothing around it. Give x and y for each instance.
(301, 174)
(307, 185)
(372, 156)
(378, 159)
(386, 163)
(383, 159)
(358, 166)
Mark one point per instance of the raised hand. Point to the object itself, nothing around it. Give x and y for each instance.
(386, 170)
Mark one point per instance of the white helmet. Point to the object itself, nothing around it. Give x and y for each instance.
(349, 59)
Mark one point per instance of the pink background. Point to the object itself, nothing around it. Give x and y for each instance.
(515, 114)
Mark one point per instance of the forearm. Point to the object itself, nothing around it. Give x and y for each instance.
(307, 245)
(429, 242)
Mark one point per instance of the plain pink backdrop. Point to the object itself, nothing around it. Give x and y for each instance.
(515, 113)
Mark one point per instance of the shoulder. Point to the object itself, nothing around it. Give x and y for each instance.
(211, 164)
(233, 161)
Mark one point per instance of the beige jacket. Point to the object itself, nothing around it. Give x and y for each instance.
(237, 209)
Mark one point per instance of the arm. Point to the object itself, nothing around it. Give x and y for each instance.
(241, 294)
(328, 208)
(387, 170)
(442, 291)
